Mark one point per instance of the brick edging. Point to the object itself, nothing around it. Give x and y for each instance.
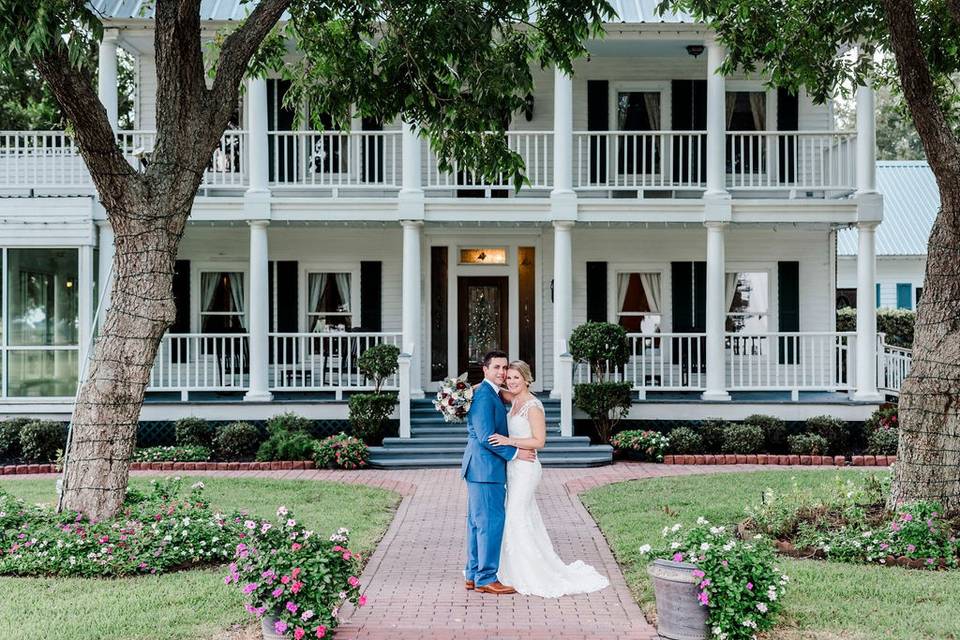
(288, 465)
(791, 460)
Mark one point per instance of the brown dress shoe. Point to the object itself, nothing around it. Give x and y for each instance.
(469, 584)
(496, 588)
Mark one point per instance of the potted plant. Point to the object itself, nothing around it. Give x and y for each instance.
(369, 410)
(707, 583)
(602, 346)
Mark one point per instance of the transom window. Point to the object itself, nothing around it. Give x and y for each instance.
(639, 302)
(329, 301)
(222, 302)
(747, 301)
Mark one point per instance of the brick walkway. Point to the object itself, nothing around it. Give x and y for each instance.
(414, 582)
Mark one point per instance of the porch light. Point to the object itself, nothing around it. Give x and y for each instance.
(695, 49)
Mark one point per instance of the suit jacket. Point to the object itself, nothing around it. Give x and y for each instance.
(482, 461)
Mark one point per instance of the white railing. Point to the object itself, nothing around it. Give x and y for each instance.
(40, 159)
(227, 167)
(796, 160)
(636, 160)
(893, 366)
(201, 362)
(332, 159)
(664, 361)
(794, 361)
(324, 361)
(535, 147)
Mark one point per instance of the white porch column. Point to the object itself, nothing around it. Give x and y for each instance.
(85, 300)
(257, 143)
(716, 313)
(410, 174)
(107, 77)
(866, 142)
(866, 314)
(716, 121)
(258, 314)
(104, 269)
(562, 134)
(562, 298)
(412, 302)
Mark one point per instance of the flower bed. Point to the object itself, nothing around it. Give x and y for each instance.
(647, 446)
(183, 453)
(771, 459)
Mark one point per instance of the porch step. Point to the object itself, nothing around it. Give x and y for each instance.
(594, 457)
(459, 442)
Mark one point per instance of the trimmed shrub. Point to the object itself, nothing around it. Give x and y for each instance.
(647, 446)
(10, 436)
(379, 363)
(684, 440)
(835, 431)
(368, 411)
(601, 345)
(743, 438)
(807, 444)
(289, 422)
(237, 441)
(194, 432)
(712, 432)
(187, 453)
(883, 442)
(340, 451)
(41, 440)
(286, 445)
(897, 324)
(886, 416)
(774, 432)
(605, 402)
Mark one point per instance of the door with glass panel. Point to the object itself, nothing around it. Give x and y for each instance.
(638, 152)
(639, 307)
(482, 314)
(223, 317)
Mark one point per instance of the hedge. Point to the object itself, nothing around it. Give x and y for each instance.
(896, 323)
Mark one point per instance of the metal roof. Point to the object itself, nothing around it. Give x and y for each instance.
(628, 11)
(911, 201)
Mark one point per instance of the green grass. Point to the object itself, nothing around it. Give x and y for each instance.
(190, 604)
(825, 599)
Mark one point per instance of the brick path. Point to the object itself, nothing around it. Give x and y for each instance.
(414, 582)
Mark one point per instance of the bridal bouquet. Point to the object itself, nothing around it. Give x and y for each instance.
(454, 398)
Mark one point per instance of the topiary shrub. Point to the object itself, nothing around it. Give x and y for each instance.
(10, 436)
(379, 363)
(807, 444)
(684, 440)
(194, 432)
(287, 445)
(368, 411)
(237, 441)
(835, 431)
(40, 440)
(602, 345)
(774, 432)
(605, 402)
(883, 442)
(743, 438)
(712, 432)
(289, 422)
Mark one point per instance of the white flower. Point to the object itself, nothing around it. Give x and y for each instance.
(197, 485)
(644, 549)
(771, 595)
(250, 524)
(676, 527)
(186, 522)
(282, 512)
(702, 521)
(749, 623)
(704, 546)
(867, 534)
(762, 607)
(730, 545)
(291, 522)
(675, 545)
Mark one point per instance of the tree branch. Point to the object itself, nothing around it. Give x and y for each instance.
(919, 90)
(181, 80)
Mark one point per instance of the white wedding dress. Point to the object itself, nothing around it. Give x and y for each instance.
(528, 562)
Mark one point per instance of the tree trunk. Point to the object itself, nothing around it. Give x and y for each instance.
(107, 412)
(928, 460)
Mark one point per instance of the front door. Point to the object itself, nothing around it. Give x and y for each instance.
(481, 321)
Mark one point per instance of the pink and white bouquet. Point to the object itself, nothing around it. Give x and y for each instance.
(454, 398)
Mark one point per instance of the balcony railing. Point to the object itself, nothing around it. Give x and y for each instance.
(893, 367)
(819, 163)
(201, 362)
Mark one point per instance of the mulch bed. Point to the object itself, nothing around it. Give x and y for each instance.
(772, 459)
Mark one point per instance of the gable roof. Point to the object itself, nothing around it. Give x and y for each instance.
(910, 204)
(628, 11)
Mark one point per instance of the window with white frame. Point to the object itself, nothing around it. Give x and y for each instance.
(329, 305)
(747, 301)
(639, 302)
(222, 302)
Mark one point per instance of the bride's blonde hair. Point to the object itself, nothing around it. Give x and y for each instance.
(523, 369)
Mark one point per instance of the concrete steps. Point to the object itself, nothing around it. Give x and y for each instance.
(435, 443)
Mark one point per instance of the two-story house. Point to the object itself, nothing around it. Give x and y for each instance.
(698, 211)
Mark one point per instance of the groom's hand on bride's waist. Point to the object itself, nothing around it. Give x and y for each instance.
(530, 455)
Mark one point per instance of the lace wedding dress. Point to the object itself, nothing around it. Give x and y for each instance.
(528, 561)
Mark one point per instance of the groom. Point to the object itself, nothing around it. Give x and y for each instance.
(484, 468)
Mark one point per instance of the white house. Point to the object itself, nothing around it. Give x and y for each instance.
(698, 211)
(911, 201)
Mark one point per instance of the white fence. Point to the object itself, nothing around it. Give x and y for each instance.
(334, 160)
(201, 362)
(795, 160)
(636, 160)
(535, 147)
(893, 366)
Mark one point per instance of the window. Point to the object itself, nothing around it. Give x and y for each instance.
(904, 297)
(746, 111)
(638, 111)
(223, 307)
(486, 255)
(747, 299)
(917, 293)
(329, 306)
(847, 298)
(639, 302)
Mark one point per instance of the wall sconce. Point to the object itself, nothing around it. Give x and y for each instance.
(528, 107)
(695, 49)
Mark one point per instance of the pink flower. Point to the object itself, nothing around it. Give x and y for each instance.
(906, 517)
(894, 526)
(704, 598)
(292, 607)
(306, 615)
(678, 557)
(338, 548)
(284, 579)
(696, 573)
(911, 548)
(280, 627)
(321, 631)
(295, 572)
(346, 555)
(749, 586)
(277, 592)
(296, 546)
(724, 563)
(353, 581)
(706, 583)
(362, 601)
(296, 586)
(250, 587)
(298, 633)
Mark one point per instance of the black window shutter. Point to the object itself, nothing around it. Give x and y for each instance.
(371, 314)
(788, 119)
(688, 112)
(699, 297)
(181, 297)
(372, 165)
(598, 119)
(286, 296)
(596, 292)
(788, 303)
(681, 275)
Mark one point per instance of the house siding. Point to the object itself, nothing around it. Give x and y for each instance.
(891, 270)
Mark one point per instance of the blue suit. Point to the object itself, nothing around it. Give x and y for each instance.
(484, 468)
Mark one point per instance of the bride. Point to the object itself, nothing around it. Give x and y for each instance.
(528, 561)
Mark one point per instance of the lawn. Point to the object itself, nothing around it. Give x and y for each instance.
(825, 600)
(186, 605)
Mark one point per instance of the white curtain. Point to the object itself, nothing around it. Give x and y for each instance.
(731, 105)
(208, 288)
(236, 295)
(343, 288)
(623, 283)
(651, 287)
(730, 289)
(651, 101)
(318, 285)
(758, 109)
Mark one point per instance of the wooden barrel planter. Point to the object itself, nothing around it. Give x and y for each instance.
(680, 615)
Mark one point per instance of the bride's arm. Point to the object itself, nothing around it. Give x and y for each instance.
(538, 427)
